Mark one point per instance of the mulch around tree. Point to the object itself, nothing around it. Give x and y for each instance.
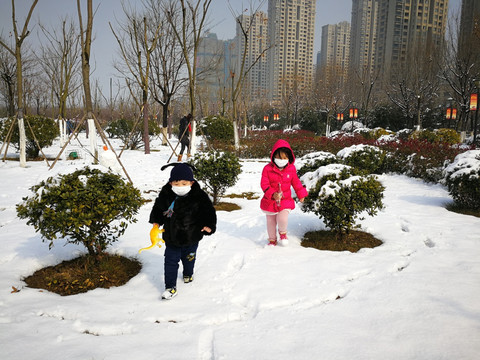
(327, 240)
(84, 273)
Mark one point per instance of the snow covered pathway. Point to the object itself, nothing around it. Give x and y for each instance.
(414, 297)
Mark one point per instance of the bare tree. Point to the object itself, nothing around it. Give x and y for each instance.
(167, 61)
(136, 45)
(17, 52)
(189, 33)
(460, 69)
(86, 45)
(8, 71)
(59, 60)
(245, 24)
(414, 84)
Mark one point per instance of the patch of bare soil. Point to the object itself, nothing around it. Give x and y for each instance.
(328, 240)
(84, 273)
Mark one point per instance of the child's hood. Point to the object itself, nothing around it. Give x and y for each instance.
(279, 144)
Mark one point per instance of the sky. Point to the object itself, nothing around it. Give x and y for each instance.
(415, 297)
(105, 48)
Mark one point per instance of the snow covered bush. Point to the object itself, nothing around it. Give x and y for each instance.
(367, 158)
(131, 132)
(86, 207)
(339, 198)
(313, 161)
(217, 170)
(462, 178)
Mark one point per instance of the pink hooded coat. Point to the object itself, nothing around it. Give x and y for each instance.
(286, 177)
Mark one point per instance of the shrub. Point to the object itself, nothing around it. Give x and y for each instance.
(424, 134)
(314, 181)
(123, 130)
(462, 178)
(367, 158)
(86, 207)
(313, 161)
(448, 136)
(217, 128)
(340, 202)
(218, 171)
(45, 130)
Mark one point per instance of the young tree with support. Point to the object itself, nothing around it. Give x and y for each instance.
(17, 52)
(189, 32)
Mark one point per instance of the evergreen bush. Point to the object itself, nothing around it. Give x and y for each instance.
(123, 129)
(217, 128)
(45, 130)
(86, 207)
(217, 170)
(340, 202)
(367, 158)
(462, 178)
(312, 161)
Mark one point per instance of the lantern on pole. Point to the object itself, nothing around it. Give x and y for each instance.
(265, 118)
(355, 113)
(473, 102)
(448, 115)
(275, 117)
(454, 114)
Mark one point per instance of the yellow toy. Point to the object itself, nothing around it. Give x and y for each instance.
(154, 238)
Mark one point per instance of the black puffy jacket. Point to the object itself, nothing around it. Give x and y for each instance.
(191, 213)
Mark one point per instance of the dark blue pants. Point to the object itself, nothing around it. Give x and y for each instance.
(173, 255)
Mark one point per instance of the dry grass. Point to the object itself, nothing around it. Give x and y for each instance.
(85, 273)
(327, 240)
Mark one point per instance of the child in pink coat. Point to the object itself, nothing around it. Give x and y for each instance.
(278, 177)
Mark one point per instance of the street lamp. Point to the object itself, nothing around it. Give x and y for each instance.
(353, 114)
(474, 107)
(340, 116)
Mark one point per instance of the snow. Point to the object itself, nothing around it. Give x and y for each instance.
(414, 297)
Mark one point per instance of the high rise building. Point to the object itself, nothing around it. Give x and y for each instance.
(290, 59)
(406, 27)
(470, 15)
(335, 52)
(256, 43)
(363, 35)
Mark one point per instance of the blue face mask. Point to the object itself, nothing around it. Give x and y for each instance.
(281, 162)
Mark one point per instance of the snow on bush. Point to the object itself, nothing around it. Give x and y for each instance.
(312, 161)
(338, 196)
(462, 178)
(364, 157)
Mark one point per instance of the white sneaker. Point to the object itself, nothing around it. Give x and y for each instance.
(169, 294)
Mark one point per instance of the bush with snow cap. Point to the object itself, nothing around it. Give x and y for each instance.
(462, 178)
(367, 158)
(312, 161)
(338, 196)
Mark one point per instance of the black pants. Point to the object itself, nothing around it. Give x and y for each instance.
(185, 143)
(173, 255)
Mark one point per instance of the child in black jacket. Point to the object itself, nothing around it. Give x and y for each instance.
(187, 214)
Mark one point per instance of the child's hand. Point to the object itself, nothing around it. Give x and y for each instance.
(277, 196)
(301, 200)
(207, 229)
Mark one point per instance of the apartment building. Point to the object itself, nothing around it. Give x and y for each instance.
(335, 52)
(291, 26)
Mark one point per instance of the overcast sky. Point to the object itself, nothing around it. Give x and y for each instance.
(104, 47)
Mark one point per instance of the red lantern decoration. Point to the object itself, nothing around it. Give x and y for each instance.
(449, 114)
(350, 115)
(454, 114)
(265, 118)
(355, 114)
(473, 101)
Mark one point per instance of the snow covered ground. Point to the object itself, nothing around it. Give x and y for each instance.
(414, 297)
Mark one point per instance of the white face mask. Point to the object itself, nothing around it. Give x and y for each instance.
(281, 162)
(181, 190)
